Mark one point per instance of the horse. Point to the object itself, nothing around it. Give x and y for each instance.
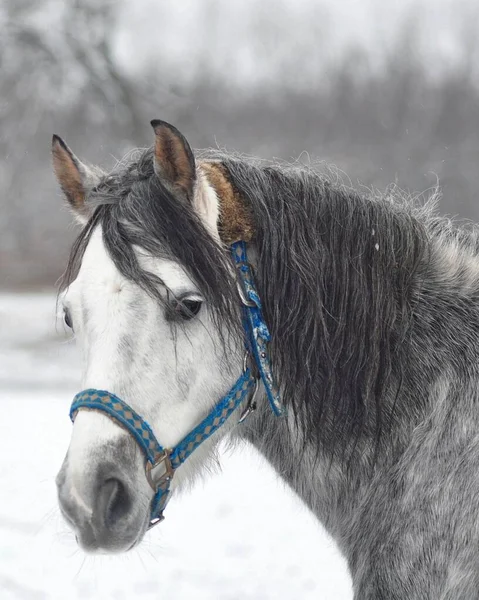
(370, 304)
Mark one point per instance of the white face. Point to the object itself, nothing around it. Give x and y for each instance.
(170, 371)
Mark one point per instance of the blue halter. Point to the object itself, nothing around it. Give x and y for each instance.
(161, 463)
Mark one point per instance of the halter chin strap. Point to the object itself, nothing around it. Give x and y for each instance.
(161, 463)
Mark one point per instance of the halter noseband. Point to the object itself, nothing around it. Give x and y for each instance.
(161, 463)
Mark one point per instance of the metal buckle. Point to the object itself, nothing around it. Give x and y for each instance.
(166, 475)
(244, 298)
(241, 285)
(155, 521)
(251, 405)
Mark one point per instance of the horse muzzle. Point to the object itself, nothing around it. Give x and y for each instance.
(102, 505)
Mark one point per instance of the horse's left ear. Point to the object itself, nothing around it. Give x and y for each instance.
(174, 162)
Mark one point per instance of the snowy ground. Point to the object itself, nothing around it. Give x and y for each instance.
(240, 534)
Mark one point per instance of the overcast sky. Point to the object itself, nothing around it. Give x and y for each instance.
(180, 31)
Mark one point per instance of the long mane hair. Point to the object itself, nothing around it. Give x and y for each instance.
(335, 270)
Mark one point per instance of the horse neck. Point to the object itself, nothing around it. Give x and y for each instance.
(440, 366)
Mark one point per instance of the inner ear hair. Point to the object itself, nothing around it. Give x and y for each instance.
(75, 178)
(68, 171)
(174, 161)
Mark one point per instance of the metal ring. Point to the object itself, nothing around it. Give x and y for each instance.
(166, 476)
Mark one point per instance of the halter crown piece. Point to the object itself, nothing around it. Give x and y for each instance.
(161, 463)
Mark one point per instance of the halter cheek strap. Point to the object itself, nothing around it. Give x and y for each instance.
(161, 463)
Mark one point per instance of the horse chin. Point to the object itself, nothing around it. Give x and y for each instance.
(93, 540)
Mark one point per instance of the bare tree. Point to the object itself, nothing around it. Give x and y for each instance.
(56, 65)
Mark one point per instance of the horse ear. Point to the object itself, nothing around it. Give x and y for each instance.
(73, 176)
(173, 159)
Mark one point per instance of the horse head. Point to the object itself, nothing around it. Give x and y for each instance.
(152, 299)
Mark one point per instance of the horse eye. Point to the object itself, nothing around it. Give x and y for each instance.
(67, 318)
(188, 308)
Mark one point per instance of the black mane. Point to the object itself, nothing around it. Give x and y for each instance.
(335, 270)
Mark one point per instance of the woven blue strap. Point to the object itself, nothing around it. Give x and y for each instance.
(123, 414)
(256, 330)
(215, 419)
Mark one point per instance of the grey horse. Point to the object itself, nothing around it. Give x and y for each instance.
(372, 301)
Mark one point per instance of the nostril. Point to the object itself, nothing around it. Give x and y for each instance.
(113, 502)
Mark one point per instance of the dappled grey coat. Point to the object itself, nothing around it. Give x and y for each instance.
(373, 305)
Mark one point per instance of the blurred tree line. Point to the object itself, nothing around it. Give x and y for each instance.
(59, 74)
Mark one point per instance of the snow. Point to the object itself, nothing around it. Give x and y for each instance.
(237, 534)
